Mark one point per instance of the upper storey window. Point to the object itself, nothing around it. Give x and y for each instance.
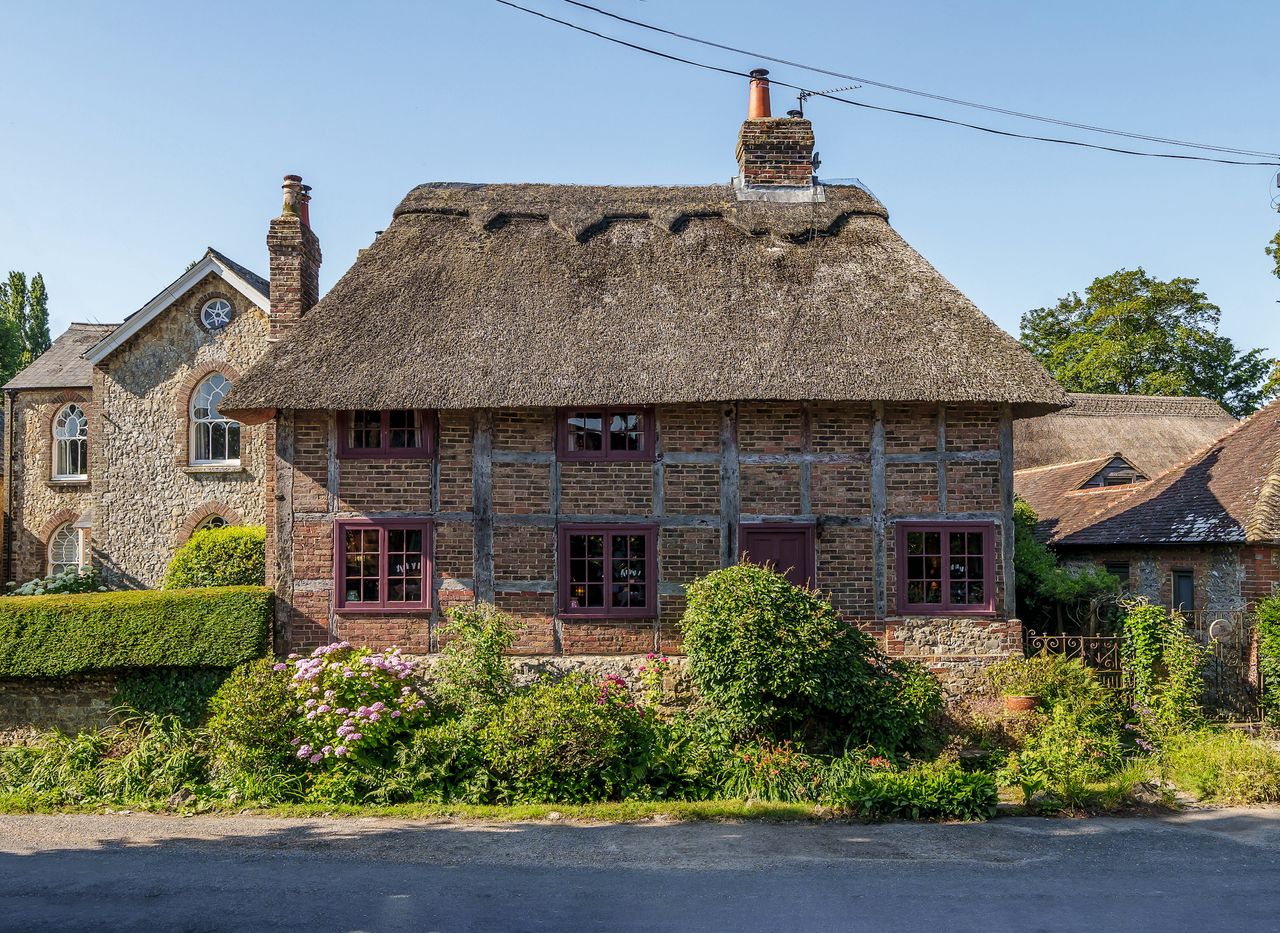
(606, 433)
(395, 432)
(215, 440)
(216, 314)
(71, 444)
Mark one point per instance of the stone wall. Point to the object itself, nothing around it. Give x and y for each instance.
(71, 704)
(40, 504)
(146, 488)
(1218, 571)
(495, 491)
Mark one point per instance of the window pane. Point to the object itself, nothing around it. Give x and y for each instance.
(586, 431)
(405, 426)
(933, 591)
(405, 565)
(957, 591)
(364, 431)
(586, 571)
(956, 542)
(628, 570)
(626, 431)
(977, 593)
(975, 542)
(233, 440)
(361, 583)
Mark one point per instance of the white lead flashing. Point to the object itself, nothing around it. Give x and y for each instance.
(779, 194)
(179, 287)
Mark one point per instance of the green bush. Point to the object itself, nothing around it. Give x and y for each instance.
(565, 741)
(1268, 620)
(1222, 766)
(55, 636)
(71, 580)
(251, 722)
(473, 669)
(931, 792)
(1163, 663)
(1077, 747)
(181, 692)
(228, 556)
(777, 660)
(1051, 677)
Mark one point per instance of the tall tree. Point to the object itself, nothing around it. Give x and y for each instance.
(1134, 334)
(24, 323)
(1273, 250)
(36, 330)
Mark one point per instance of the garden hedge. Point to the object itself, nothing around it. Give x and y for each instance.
(55, 636)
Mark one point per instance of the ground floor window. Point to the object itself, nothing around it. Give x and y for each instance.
(608, 571)
(1184, 590)
(1120, 570)
(946, 567)
(383, 565)
(66, 549)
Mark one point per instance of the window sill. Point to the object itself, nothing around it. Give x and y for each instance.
(200, 468)
(605, 617)
(925, 613)
(69, 482)
(383, 610)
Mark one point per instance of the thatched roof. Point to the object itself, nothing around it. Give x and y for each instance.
(530, 295)
(1153, 432)
(63, 365)
(1227, 493)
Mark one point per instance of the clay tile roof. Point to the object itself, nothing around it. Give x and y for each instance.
(1229, 492)
(1060, 504)
(63, 366)
(531, 295)
(1153, 432)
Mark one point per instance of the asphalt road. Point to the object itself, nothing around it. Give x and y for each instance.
(1199, 871)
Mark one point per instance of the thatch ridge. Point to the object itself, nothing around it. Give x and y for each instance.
(529, 295)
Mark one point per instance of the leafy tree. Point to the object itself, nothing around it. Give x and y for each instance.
(1134, 334)
(24, 323)
(1274, 252)
(1043, 587)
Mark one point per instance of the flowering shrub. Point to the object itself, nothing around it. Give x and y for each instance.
(70, 580)
(653, 675)
(352, 701)
(772, 771)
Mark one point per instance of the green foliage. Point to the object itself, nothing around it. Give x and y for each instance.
(1268, 634)
(1163, 663)
(777, 661)
(1076, 747)
(181, 692)
(70, 580)
(24, 323)
(251, 722)
(473, 669)
(1222, 766)
(229, 556)
(142, 760)
(931, 792)
(1134, 334)
(568, 740)
(772, 771)
(54, 636)
(1273, 250)
(1052, 677)
(1041, 584)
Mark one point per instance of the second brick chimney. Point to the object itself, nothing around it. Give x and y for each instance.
(773, 151)
(295, 259)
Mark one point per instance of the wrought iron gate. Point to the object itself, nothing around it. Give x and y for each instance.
(1100, 652)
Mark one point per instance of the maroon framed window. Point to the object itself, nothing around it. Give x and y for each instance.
(396, 432)
(608, 571)
(788, 547)
(946, 568)
(606, 433)
(382, 565)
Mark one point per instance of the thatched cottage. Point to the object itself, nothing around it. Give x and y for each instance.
(571, 401)
(116, 449)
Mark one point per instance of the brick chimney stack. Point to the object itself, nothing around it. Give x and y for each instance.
(773, 151)
(295, 259)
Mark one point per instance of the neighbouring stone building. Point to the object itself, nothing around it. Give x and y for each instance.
(1194, 521)
(571, 401)
(116, 450)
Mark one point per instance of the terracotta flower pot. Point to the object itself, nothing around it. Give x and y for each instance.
(1021, 704)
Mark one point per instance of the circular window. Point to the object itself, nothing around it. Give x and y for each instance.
(216, 314)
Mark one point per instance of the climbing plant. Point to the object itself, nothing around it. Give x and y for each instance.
(1163, 664)
(1268, 617)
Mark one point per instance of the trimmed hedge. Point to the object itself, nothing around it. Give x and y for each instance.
(234, 555)
(55, 636)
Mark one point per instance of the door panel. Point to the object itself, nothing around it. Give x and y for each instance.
(788, 548)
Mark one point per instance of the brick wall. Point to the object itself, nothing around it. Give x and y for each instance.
(776, 151)
(817, 463)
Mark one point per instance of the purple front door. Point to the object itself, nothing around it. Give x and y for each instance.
(785, 546)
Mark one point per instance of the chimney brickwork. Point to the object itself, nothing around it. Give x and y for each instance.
(776, 151)
(295, 260)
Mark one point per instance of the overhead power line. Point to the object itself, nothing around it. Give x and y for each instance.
(906, 90)
(866, 106)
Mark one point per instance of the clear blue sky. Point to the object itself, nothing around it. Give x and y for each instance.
(135, 134)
